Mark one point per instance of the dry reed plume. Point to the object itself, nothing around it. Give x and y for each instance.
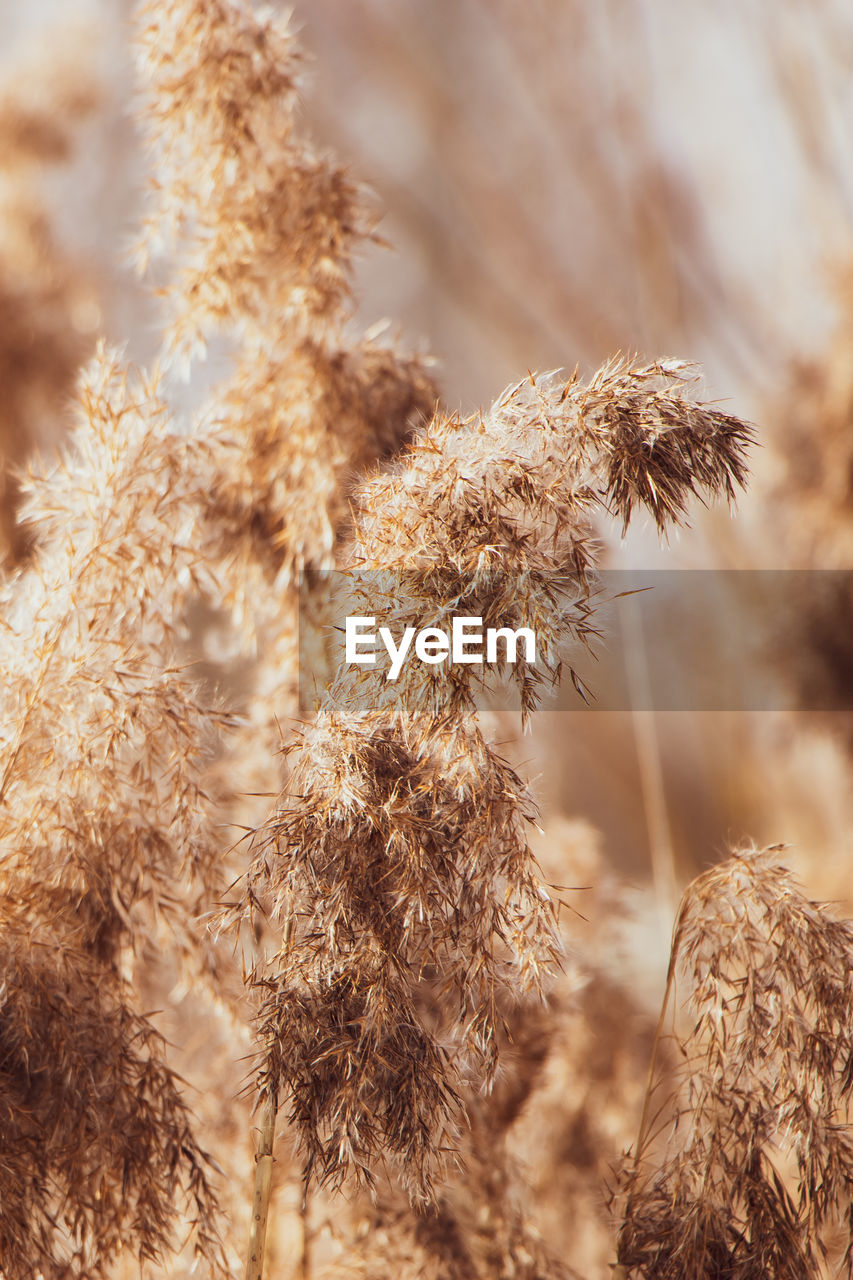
(399, 863)
(759, 1167)
(264, 230)
(105, 827)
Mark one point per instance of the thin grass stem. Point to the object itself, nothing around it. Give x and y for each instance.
(263, 1186)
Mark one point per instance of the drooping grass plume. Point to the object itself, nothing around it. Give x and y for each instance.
(494, 510)
(265, 252)
(484, 1221)
(92, 707)
(265, 227)
(106, 834)
(758, 1168)
(264, 230)
(98, 1150)
(399, 857)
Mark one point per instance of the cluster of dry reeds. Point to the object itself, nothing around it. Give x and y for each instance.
(759, 1168)
(383, 946)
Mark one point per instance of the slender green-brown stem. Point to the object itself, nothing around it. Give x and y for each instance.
(261, 1197)
(650, 1083)
(263, 1166)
